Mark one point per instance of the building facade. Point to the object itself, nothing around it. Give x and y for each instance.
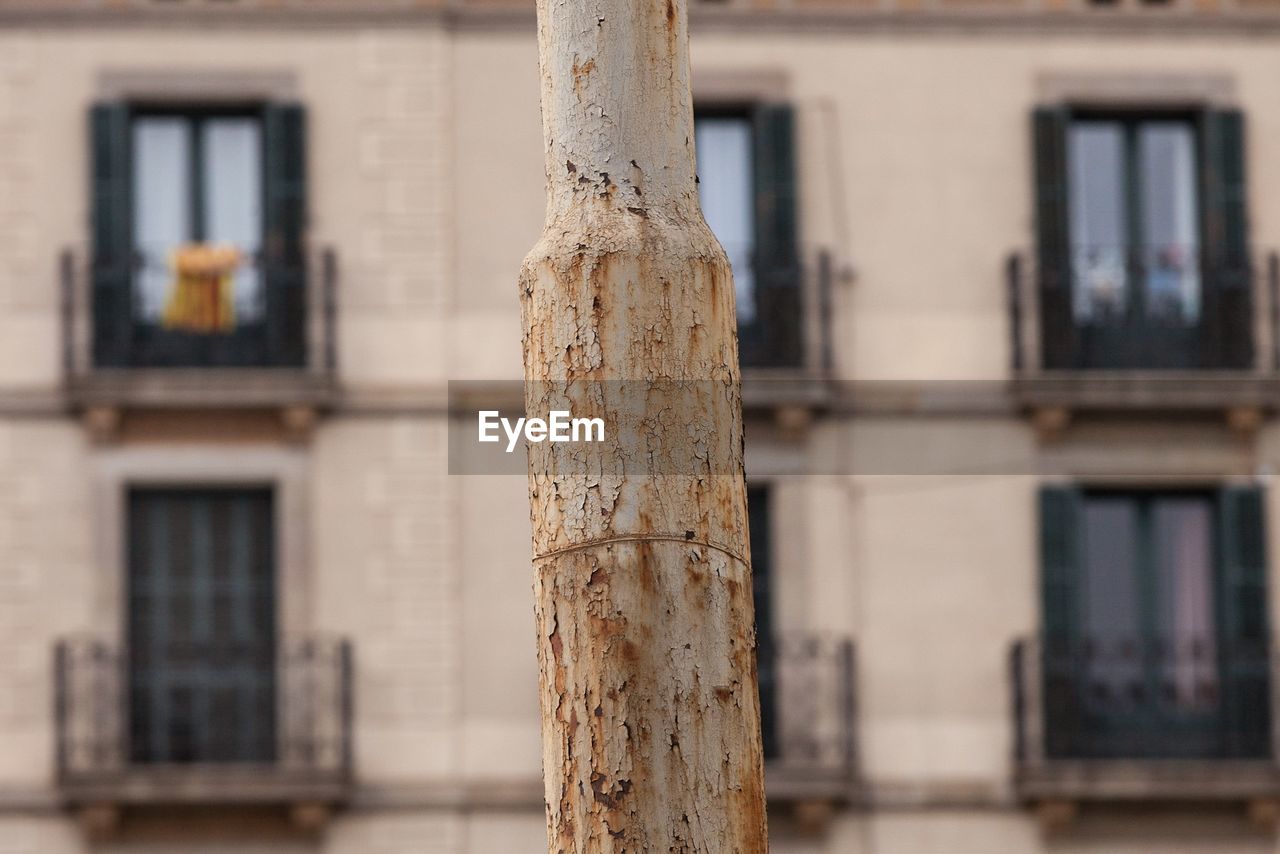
(1008, 307)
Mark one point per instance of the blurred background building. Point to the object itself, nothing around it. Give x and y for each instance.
(1007, 306)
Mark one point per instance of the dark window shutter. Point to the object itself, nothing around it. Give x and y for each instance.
(111, 264)
(1053, 247)
(1059, 563)
(759, 517)
(284, 249)
(1244, 632)
(777, 252)
(1060, 533)
(1227, 300)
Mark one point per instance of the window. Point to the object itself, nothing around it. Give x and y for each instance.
(747, 188)
(1143, 257)
(202, 626)
(1155, 642)
(198, 256)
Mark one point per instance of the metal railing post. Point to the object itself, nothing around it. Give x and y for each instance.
(1273, 306)
(121, 703)
(1028, 702)
(849, 705)
(60, 706)
(1013, 279)
(329, 281)
(67, 288)
(1273, 680)
(826, 354)
(347, 706)
(1037, 726)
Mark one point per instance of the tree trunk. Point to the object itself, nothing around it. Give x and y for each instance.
(650, 710)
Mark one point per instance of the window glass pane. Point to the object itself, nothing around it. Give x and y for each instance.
(232, 176)
(1098, 216)
(162, 206)
(726, 189)
(1169, 216)
(1182, 534)
(1112, 602)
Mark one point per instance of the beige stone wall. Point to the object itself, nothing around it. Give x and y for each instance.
(937, 612)
(47, 834)
(397, 833)
(46, 583)
(498, 678)
(384, 529)
(27, 320)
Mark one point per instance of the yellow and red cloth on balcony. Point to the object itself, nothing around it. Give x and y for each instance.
(202, 297)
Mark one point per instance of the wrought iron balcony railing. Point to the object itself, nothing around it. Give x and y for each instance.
(1118, 310)
(807, 707)
(103, 753)
(281, 333)
(1132, 719)
(784, 316)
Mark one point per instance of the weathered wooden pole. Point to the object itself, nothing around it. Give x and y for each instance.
(650, 711)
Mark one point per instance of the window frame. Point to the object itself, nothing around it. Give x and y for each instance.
(1223, 336)
(277, 337)
(777, 336)
(1233, 728)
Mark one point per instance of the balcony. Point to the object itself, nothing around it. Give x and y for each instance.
(279, 353)
(784, 337)
(1149, 723)
(1068, 357)
(107, 754)
(807, 711)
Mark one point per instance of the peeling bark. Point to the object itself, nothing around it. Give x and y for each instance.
(651, 721)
